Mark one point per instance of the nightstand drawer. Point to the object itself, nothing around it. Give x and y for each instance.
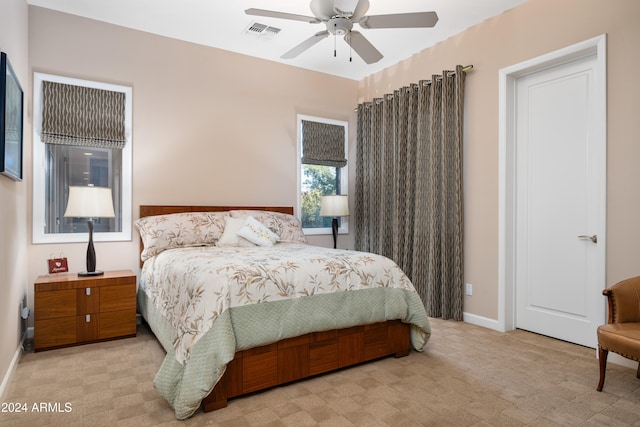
(87, 300)
(119, 297)
(54, 332)
(87, 327)
(117, 323)
(55, 304)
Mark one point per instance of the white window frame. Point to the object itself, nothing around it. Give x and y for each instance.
(39, 166)
(344, 173)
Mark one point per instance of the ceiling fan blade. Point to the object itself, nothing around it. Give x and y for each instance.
(282, 15)
(363, 47)
(400, 20)
(360, 10)
(305, 45)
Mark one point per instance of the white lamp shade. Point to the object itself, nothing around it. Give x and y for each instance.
(90, 202)
(334, 206)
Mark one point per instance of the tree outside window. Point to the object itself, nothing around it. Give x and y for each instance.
(317, 181)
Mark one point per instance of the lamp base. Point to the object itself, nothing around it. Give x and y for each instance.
(334, 229)
(90, 273)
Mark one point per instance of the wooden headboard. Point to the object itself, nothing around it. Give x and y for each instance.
(152, 210)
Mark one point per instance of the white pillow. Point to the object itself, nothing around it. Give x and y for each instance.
(258, 233)
(286, 226)
(230, 235)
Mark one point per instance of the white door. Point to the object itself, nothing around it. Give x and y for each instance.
(559, 204)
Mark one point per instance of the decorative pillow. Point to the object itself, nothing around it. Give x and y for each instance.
(286, 226)
(230, 235)
(162, 232)
(257, 233)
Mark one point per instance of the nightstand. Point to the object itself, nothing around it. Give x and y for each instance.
(72, 310)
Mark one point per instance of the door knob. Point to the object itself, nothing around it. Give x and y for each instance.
(593, 238)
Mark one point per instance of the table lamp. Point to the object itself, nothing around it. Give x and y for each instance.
(90, 202)
(334, 206)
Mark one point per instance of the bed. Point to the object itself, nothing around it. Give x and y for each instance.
(241, 303)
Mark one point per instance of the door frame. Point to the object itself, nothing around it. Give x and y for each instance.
(507, 166)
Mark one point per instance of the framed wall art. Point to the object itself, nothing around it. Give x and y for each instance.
(11, 111)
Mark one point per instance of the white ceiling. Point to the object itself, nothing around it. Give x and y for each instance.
(222, 24)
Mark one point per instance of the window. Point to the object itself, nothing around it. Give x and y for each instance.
(322, 170)
(59, 164)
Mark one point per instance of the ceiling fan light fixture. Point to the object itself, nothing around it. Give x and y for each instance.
(339, 26)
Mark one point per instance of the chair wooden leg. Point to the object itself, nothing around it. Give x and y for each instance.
(638, 373)
(602, 357)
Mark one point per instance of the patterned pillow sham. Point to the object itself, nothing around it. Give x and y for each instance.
(286, 226)
(162, 232)
(258, 233)
(230, 235)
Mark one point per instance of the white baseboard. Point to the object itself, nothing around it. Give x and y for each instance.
(12, 368)
(485, 322)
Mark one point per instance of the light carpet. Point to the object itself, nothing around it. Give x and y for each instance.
(467, 376)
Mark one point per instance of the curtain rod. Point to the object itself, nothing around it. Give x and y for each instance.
(465, 69)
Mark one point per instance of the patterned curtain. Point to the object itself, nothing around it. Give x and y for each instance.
(78, 115)
(408, 203)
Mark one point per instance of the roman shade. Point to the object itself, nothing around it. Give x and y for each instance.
(323, 144)
(79, 115)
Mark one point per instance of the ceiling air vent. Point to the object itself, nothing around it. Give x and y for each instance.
(261, 31)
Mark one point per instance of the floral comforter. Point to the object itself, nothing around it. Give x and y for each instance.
(194, 289)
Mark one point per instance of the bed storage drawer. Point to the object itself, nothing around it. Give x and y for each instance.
(323, 352)
(293, 359)
(260, 368)
(376, 341)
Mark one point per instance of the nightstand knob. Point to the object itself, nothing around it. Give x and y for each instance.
(87, 318)
(87, 291)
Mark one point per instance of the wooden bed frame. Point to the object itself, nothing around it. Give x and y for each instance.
(300, 357)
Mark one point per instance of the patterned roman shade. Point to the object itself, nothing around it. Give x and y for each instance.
(79, 115)
(323, 144)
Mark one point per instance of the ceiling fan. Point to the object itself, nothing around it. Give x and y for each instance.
(339, 17)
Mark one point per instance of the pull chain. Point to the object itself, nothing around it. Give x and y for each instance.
(334, 40)
(350, 49)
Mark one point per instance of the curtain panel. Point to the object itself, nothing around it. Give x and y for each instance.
(78, 115)
(323, 144)
(408, 203)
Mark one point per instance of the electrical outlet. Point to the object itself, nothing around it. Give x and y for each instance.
(469, 289)
(24, 310)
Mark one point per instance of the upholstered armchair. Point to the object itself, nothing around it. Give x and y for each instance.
(621, 334)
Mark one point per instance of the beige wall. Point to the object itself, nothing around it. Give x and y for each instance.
(13, 198)
(209, 126)
(533, 29)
